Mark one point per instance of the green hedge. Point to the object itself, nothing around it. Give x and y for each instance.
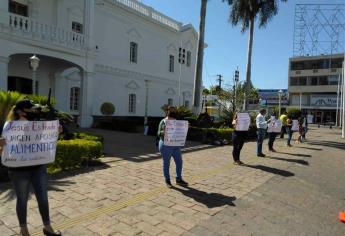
(89, 137)
(71, 154)
(200, 134)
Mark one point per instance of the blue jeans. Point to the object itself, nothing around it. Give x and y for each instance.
(289, 132)
(167, 152)
(261, 135)
(21, 180)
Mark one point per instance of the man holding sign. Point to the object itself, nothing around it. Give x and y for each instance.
(26, 146)
(172, 134)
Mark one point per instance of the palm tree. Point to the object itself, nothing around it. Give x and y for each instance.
(245, 12)
(200, 57)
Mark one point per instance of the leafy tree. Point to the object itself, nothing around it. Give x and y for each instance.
(245, 12)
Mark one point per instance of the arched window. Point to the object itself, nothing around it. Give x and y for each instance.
(74, 99)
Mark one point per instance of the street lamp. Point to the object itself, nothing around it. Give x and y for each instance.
(34, 63)
(280, 93)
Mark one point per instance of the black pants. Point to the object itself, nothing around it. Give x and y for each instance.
(283, 131)
(271, 139)
(238, 138)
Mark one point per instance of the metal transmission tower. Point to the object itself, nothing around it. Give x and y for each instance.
(319, 29)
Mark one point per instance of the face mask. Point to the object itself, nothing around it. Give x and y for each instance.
(173, 114)
(30, 115)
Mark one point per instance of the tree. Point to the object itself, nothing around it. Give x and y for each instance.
(245, 12)
(200, 57)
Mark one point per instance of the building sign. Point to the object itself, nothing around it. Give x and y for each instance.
(271, 96)
(323, 100)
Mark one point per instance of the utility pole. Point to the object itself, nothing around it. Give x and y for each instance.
(236, 78)
(220, 80)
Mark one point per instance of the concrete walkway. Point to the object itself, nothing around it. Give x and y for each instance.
(296, 191)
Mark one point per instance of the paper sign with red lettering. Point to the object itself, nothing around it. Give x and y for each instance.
(29, 143)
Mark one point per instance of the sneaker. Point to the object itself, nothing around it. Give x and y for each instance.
(261, 155)
(272, 150)
(238, 163)
(168, 183)
(181, 182)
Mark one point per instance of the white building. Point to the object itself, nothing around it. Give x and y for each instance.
(95, 51)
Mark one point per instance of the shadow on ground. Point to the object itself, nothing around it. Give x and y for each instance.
(332, 144)
(55, 181)
(272, 170)
(295, 154)
(302, 162)
(310, 148)
(208, 199)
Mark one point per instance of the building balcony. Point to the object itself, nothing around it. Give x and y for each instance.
(21, 28)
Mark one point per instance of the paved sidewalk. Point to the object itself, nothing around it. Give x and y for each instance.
(296, 191)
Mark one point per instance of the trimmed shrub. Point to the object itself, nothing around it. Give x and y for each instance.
(107, 108)
(72, 154)
(89, 137)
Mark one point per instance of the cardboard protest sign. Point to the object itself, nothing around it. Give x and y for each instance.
(243, 121)
(175, 132)
(29, 143)
(275, 126)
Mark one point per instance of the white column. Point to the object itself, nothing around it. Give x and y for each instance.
(3, 72)
(343, 121)
(89, 11)
(85, 100)
(300, 101)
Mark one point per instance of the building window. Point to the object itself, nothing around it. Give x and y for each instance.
(189, 58)
(170, 102)
(302, 80)
(132, 101)
(333, 79)
(77, 27)
(186, 103)
(323, 80)
(74, 99)
(293, 81)
(133, 52)
(17, 8)
(171, 63)
(313, 81)
(181, 55)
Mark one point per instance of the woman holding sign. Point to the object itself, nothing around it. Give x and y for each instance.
(22, 177)
(168, 151)
(272, 132)
(239, 136)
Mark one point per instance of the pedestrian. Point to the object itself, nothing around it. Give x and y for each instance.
(22, 177)
(305, 125)
(283, 119)
(271, 135)
(261, 125)
(168, 151)
(301, 129)
(289, 130)
(238, 139)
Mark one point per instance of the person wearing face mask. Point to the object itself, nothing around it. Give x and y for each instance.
(168, 151)
(22, 177)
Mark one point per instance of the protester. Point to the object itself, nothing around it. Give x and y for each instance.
(238, 139)
(168, 151)
(305, 125)
(261, 125)
(271, 136)
(22, 177)
(301, 130)
(289, 130)
(283, 119)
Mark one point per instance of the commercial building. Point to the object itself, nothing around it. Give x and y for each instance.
(96, 51)
(313, 85)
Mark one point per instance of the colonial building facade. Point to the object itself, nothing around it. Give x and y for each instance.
(96, 51)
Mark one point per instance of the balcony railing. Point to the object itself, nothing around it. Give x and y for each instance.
(149, 12)
(29, 28)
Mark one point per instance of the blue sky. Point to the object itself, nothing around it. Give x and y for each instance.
(227, 46)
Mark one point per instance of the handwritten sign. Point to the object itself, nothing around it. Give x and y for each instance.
(275, 126)
(175, 132)
(294, 125)
(243, 122)
(29, 143)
